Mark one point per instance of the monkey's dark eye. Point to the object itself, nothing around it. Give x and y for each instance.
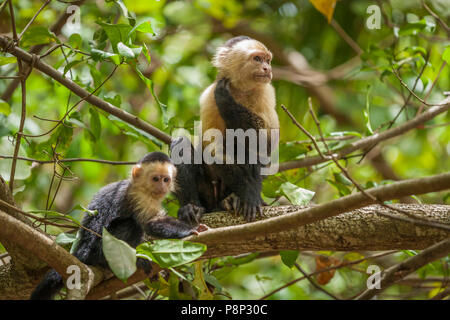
(166, 179)
(156, 179)
(257, 58)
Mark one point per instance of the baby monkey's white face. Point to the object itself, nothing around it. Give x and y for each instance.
(155, 178)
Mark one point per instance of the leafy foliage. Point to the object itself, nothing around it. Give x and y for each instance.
(152, 59)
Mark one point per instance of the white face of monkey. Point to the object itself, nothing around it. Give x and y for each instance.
(246, 62)
(155, 178)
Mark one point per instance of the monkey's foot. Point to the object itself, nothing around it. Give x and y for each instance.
(231, 203)
(248, 208)
(190, 213)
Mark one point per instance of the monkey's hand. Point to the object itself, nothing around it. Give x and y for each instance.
(191, 214)
(248, 205)
(144, 264)
(200, 228)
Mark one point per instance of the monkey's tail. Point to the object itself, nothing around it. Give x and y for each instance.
(48, 287)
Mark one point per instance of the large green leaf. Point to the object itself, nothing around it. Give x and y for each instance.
(289, 257)
(295, 194)
(65, 238)
(7, 60)
(170, 252)
(120, 256)
(117, 33)
(37, 35)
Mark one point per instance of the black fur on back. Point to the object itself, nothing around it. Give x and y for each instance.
(116, 214)
(231, 42)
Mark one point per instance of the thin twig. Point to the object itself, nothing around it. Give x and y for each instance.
(413, 219)
(342, 265)
(310, 136)
(32, 19)
(315, 285)
(443, 24)
(71, 160)
(24, 103)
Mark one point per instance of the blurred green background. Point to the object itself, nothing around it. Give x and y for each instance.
(363, 96)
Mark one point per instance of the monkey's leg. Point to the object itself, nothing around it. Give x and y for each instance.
(245, 187)
(187, 183)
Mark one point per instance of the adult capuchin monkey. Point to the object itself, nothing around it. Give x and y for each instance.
(242, 97)
(127, 209)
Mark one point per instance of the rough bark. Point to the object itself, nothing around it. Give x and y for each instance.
(361, 229)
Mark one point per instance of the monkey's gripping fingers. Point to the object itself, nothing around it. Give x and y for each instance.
(144, 264)
(248, 206)
(231, 203)
(190, 213)
(200, 228)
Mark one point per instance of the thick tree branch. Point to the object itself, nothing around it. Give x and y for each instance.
(47, 250)
(332, 208)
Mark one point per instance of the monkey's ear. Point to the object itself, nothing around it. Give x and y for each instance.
(136, 171)
(218, 60)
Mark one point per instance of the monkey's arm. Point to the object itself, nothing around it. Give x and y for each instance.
(235, 115)
(170, 228)
(244, 180)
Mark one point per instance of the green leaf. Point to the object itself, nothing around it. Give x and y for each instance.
(7, 60)
(54, 214)
(117, 33)
(271, 185)
(369, 130)
(291, 150)
(134, 132)
(99, 55)
(113, 98)
(120, 256)
(4, 108)
(144, 26)
(75, 40)
(124, 51)
(126, 13)
(289, 257)
(446, 55)
(295, 194)
(342, 189)
(37, 35)
(146, 53)
(70, 65)
(170, 253)
(199, 282)
(95, 124)
(341, 178)
(149, 85)
(74, 246)
(65, 238)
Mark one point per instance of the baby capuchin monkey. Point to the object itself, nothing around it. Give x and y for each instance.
(242, 97)
(128, 209)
